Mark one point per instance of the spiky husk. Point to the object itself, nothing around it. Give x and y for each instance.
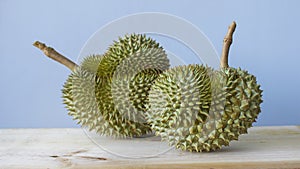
(127, 71)
(91, 63)
(179, 103)
(223, 109)
(79, 97)
(128, 48)
(243, 98)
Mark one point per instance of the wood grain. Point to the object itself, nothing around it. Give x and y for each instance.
(264, 147)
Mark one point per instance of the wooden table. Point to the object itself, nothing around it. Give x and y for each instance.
(264, 147)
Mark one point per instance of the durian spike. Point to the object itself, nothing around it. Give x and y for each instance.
(226, 45)
(53, 54)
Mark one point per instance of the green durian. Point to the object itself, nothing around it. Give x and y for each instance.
(124, 77)
(179, 107)
(107, 93)
(79, 96)
(132, 53)
(243, 98)
(196, 108)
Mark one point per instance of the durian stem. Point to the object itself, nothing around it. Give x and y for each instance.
(226, 45)
(53, 54)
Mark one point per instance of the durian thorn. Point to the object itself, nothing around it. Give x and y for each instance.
(226, 45)
(53, 54)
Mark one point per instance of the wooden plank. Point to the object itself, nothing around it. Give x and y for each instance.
(263, 147)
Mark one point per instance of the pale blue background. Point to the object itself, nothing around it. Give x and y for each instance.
(266, 43)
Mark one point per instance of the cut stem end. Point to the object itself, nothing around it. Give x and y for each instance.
(226, 45)
(53, 54)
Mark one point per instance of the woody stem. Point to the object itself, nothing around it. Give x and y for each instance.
(226, 45)
(53, 54)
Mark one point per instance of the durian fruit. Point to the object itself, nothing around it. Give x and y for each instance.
(125, 71)
(243, 98)
(79, 96)
(196, 108)
(179, 104)
(124, 77)
(79, 90)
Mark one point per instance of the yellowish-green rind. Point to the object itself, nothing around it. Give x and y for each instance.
(149, 51)
(126, 73)
(243, 97)
(80, 100)
(198, 109)
(179, 103)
